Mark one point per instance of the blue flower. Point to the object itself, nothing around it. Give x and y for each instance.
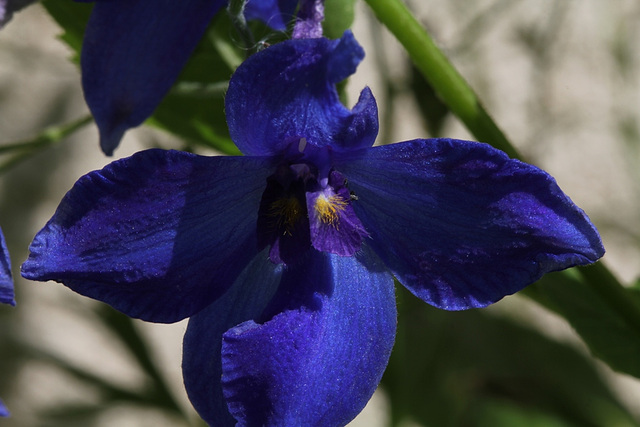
(6, 291)
(133, 51)
(284, 259)
(8, 7)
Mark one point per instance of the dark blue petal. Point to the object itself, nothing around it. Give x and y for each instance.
(462, 225)
(201, 360)
(287, 92)
(274, 13)
(132, 53)
(6, 281)
(318, 360)
(159, 235)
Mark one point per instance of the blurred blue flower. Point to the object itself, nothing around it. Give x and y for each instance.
(6, 291)
(6, 281)
(284, 258)
(8, 7)
(133, 51)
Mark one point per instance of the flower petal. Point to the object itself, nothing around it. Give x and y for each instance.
(158, 236)
(318, 360)
(334, 226)
(201, 360)
(287, 92)
(4, 412)
(132, 53)
(6, 281)
(462, 225)
(274, 13)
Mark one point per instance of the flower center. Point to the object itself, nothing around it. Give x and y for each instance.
(304, 206)
(328, 209)
(286, 212)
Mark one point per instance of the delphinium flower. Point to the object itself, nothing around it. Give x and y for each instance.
(133, 51)
(284, 259)
(6, 291)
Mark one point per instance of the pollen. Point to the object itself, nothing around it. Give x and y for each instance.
(328, 208)
(286, 212)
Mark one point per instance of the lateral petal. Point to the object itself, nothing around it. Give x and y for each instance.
(201, 359)
(7, 295)
(132, 53)
(159, 235)
(287, 92)
(462, 225)
(319, 358)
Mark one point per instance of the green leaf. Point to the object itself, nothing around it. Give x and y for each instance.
(72, 18)
(604, 329)
(468, 368)
(123, 327)
(194, 109)
(496, 412)
(338, 17)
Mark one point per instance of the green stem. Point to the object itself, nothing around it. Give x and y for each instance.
(605, 284)
(436, 68)
(48, 136)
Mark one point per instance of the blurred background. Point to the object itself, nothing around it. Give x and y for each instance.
(562, 80)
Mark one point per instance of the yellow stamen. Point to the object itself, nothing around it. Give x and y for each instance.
(286, 212)
(327, 208)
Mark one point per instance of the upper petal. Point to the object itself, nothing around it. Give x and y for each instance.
(287, 92)
(159, 235)
(274, 13)
(202, 358)
(6, 281)
(462, 225)
(133, 51)
(318, 360)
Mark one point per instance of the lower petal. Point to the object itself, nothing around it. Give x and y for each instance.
(159, 235)
(201, 359)
(319, 358)
(462, 225)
